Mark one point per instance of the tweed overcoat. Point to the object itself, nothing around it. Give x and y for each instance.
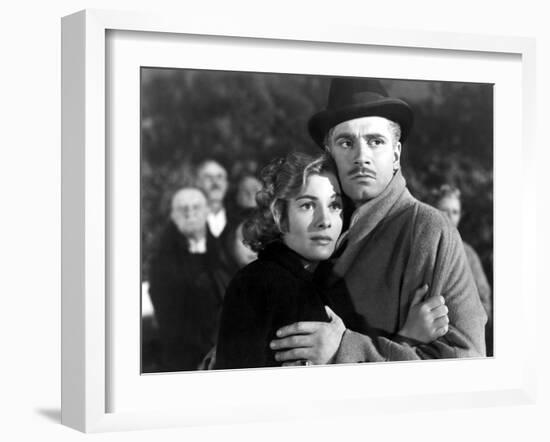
(395, 244)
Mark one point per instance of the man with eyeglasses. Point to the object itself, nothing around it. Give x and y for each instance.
(188, 277)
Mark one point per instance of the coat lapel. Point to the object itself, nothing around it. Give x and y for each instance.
(366, 218)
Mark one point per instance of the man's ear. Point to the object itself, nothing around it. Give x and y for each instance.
(396, 155)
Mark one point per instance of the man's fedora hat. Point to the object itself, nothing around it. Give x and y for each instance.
(351, 98)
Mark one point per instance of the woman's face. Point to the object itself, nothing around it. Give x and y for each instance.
(247, 190)
(315, 218)
(450, 205)
(242, 254)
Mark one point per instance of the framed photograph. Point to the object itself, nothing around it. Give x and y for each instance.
(150, 102)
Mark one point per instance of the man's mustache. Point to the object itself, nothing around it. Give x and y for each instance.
(361, 170)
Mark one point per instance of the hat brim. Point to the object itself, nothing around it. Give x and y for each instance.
(391, 108)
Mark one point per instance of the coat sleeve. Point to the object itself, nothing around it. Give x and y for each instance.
(437, 256)
(244, 327)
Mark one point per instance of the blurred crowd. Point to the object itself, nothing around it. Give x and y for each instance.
(192, 260)
(199, 249)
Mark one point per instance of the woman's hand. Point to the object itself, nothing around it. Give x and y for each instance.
(426, 320)
(314, 342)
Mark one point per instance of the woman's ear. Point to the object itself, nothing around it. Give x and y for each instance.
(277, 213)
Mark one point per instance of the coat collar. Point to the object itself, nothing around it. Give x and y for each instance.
(368, 216)
(287, 258)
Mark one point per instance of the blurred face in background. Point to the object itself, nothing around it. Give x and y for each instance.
(243, 254)
(314, 220)
(189, 212)
(249, 186)
(212, 178)
(367, 154)
(450, 205)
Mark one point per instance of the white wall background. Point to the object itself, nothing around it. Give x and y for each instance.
(30, 218)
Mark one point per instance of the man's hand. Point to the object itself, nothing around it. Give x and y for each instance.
(316, 342)
(426, 320)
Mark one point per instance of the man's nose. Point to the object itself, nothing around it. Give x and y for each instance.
(363, 153)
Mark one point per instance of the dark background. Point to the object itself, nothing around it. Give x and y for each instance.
(245, 119)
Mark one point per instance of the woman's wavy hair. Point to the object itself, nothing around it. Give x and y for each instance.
(282, 179)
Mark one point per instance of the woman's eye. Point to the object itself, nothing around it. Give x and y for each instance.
(306, 206)
(335, 206)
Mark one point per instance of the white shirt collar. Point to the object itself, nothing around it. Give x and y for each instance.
(217, 222)
(197, 245)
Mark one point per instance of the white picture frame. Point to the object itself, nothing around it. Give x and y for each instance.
(87, 210)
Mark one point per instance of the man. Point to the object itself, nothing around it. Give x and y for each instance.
(212, 178)
(187, 280)
(394, 245)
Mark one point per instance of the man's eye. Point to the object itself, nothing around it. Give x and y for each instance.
(345, 143)
(376, 142)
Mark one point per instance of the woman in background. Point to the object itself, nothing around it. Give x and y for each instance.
(447, 199)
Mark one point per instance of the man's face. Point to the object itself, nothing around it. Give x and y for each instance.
(189, 211)
(212, 177)
(450, 205)
(366, 153)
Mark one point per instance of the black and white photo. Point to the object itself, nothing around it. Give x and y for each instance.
(311, 220)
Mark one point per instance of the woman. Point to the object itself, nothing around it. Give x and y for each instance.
(239, 253)
(447, 198)
(296, 227)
